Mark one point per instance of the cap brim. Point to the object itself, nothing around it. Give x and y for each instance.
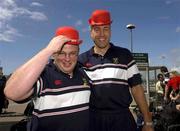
(91, 22)
(74, 42)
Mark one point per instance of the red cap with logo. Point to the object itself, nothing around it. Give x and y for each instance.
(69, 32)
(100, 17)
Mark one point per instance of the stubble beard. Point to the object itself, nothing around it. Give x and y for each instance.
(101, 45)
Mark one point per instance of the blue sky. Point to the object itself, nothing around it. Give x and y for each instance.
(26, 27)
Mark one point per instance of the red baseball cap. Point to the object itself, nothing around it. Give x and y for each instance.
(69, 32)
(100, 17)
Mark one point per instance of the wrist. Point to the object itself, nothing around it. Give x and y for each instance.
(147, 123)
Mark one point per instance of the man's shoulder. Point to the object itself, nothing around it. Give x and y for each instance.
(120, 49)
(85, 53)
(123, 54)
(158, 83)
(84, 56)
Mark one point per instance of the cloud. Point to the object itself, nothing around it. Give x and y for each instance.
(5, 10)
(78, 23)
(8, 33)
(38, 16)
(36, 4)
(162, 56)
(84, 30)
(168, 2)
(175, 57)
(164, 17)
(175, 69)
(69, 16)
(178, 29)
(9, 10)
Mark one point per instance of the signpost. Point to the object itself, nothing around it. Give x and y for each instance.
(143, 65)
(141, 59)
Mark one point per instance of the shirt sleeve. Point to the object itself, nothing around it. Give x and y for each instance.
(133, 74)
(38, 87)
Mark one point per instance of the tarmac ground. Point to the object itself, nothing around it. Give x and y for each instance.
(13, 114)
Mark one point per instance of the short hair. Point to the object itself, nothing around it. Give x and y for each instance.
(174, 72)
(159, 75)
(164, 69)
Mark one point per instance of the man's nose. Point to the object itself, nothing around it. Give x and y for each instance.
(101, 33)
(67, 56)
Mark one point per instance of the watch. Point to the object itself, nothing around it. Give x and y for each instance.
(148, 123)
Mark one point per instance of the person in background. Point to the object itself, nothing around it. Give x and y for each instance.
(58, 86)
(165, 72)
(160, 87)
(113, 72)
(171, 112)
(3, 100)
(166, 75)
(174, 83)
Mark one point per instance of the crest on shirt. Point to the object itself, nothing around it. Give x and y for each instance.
(88, 65)
(57, 82)
(115, 60)
(85, 82)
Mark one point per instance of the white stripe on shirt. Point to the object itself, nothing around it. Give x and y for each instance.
(63, 100)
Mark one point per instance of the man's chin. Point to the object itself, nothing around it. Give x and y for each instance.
(68, 70)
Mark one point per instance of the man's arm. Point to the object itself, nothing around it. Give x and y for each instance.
(19, 85)
(138, 94)
(166, 93)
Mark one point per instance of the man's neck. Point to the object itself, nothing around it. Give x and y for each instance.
(101, 51)
(68, 73)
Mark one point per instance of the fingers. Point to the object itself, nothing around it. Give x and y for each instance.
(61, 41)
(57, 43)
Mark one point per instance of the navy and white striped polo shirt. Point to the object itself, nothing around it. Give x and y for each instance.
(61, 102)
(111, 76)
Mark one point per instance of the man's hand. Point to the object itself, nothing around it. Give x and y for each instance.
(56, 44)
(178, 107)
(148, 128)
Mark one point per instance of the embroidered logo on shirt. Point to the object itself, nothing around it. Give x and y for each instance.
(57, 82)
(85, 83)
(115, 60)
(88, 64)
